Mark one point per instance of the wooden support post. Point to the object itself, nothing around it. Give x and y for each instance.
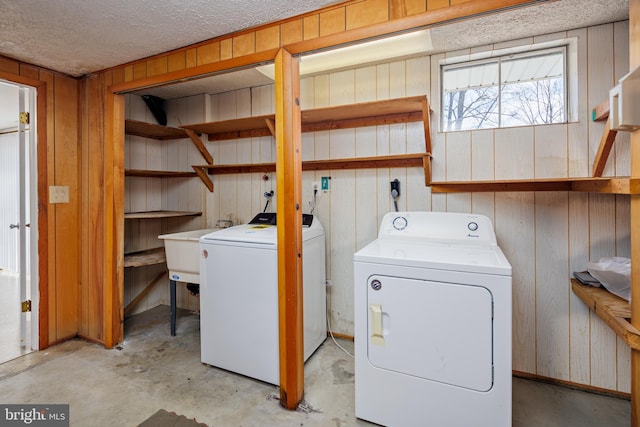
(113, 193)
(289, 209)
(634, 61)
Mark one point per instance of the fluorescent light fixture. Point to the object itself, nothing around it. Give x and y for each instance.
(403, 45)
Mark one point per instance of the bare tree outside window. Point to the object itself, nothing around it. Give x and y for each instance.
(515, 90)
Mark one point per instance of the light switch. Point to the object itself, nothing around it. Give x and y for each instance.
(58, 194)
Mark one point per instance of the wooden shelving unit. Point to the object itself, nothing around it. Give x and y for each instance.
(151, 130)
(162, 133)
(160, 214)
(615, 311)
(395, 161)
(147, 257)
(399, 110)
(159, 174)
(392, 111)
(613, 185)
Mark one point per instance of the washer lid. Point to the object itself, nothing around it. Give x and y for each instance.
(263, 234)
(435, 255)
(245, 233)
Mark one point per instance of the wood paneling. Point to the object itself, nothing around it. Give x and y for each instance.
(311, 27)
(177, 61)
(291, 32)
(157, 66)
(366, 13)
(208, 53)
(9, 66)
(244, 44)
(332, 21)
(401, 8)
(66, 170)
(267, 38)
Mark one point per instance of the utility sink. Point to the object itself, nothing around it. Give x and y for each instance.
(183, 254)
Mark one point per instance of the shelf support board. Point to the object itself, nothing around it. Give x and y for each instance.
(199, 145)
(600, 112)
(606, 142)
(202, 174)
(271, 125)
(129, 308)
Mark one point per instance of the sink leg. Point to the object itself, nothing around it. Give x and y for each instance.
(172, 286)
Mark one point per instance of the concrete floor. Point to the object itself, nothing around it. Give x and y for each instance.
(152, 371)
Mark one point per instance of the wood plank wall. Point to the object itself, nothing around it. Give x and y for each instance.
(546, 236)
(553, 331)
(58, 165)
(323, 25)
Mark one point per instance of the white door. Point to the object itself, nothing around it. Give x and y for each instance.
(432, 330)
(18, 292)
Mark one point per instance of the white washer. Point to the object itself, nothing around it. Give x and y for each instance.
(239, 296)
(433, 323)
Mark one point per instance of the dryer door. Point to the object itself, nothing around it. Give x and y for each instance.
(437, 331)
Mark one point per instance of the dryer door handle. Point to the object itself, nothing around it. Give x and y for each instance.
(375, 316)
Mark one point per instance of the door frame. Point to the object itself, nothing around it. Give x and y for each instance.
(43, 205)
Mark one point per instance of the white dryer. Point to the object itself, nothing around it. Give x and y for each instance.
(433, 323)
(239, 296)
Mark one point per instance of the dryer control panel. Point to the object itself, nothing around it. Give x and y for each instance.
(446, 227)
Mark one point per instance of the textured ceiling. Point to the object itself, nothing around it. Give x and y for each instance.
(77, 37)
(80, 36)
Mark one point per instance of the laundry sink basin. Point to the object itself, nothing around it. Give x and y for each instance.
(183, 254)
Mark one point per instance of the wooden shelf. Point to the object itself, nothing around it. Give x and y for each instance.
(159, 174)
(396, 161)
(615, 311)
(146, 257)
(236, 128)
(391, 111)
(160, 214)
(613, 185)
(150, 130)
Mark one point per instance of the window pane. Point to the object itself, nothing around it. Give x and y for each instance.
(533, 103)
(471, 109)
(470, 96)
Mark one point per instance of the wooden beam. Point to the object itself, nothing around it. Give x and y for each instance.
(113, 193)
(606, 142)
(634, 61)
(456, 12)
(289, 205)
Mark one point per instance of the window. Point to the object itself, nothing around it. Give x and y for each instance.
(511, 90)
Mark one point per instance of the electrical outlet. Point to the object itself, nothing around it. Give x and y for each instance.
(315, 186)
(58, 194)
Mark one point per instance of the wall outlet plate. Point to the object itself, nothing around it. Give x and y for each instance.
(58, 194)
(324, 183)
